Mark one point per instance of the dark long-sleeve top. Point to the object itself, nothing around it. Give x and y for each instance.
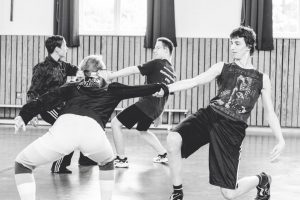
(49, 75)
(88, 99)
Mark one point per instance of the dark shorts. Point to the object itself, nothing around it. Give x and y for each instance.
(133, 115)
(225, 138)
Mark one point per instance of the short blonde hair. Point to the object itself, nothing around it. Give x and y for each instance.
(92, 63)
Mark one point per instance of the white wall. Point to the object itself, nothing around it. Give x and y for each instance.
(31, 17)
(194, 18)
(207, 18)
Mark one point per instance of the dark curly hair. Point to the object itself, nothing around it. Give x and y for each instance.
(248, 34)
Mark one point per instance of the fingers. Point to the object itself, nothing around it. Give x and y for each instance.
(275, 153)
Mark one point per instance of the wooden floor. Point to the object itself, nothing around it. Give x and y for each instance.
(145, 180)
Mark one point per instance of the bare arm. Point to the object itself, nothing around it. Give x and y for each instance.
(124, 72)
(272, 118)
(202, 78)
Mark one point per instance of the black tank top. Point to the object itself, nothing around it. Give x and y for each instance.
(238, 92)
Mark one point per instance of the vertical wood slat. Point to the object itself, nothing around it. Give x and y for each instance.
(284, 76)
(290, 83)
(24, 69)
(8, 66)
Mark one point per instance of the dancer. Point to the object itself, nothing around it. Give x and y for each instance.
(47, 76)
(147, 109)
(89, 104)
(223, 123)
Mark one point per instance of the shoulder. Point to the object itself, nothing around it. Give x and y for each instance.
(218, 67)
(266, 80)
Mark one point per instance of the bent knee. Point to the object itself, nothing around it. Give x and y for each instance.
(174, 141)
(115, 122)
(21, 169)
(228, 194)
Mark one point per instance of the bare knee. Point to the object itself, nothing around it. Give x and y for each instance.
(228, 194)
(116, 123)
(174, 141)
(21, 169)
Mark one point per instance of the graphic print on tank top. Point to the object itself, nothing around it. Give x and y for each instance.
(238, 92)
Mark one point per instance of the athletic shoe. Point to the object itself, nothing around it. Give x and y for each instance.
(62, 171)
(86, 161)
(176, 196)
(263, 188)
(121, 163)
(161, 158)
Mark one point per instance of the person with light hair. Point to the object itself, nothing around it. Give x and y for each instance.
(89, 103)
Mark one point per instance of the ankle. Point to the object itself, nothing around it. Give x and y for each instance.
(177, 188)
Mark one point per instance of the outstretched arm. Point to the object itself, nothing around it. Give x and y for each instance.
(202, 78)
(124, 72)
(272, 118)
(125, 92)
(45, 102)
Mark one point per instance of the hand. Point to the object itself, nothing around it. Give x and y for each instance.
(34, 122)
(19, 123)
(157, 121)
(105, 74)
(275, 153)
(159, 94)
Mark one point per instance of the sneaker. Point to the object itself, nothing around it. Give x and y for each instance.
(263, 188)
(121, 163)
(176, 196)
(62, 171)
(161, 158)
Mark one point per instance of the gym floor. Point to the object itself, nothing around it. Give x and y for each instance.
(144, 180)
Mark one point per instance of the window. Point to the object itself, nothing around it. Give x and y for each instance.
(112, 17)
(286, 18)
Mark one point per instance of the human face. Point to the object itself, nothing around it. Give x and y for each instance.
(239, 48)
(62, 51)
(159, 51)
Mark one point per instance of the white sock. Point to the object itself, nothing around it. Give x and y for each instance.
(106, 189)
(26, 186)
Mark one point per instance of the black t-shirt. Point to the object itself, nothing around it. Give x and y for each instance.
(156, 71)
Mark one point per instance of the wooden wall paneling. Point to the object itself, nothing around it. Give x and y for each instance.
(120, 61)
(19, 69)
(13, 78)
(98, 45)
(86, 46)
(30, 61)
(115, 51)
(125, 79)
(183, 73)
(131, 78)
(284, 76)
(80, 50)
(207, 49)
(273, 74)
(278, 79)
(290, 83)
(296, 77)
(41, 48)
(8, 73)
(2, 71)
(213, 60)
(92, 42)
(267, 70)
(137, 61)
(195, 72)
(24, 69)
(201, 70)
(189, 73)
(296, 106)
(259, 111)
(254, 110)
